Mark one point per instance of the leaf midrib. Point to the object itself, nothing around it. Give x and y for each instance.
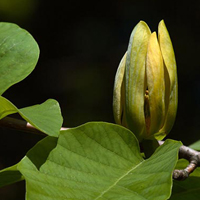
(120, 178)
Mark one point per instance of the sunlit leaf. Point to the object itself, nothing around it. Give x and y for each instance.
(18, 55)
(46, 117)
(99, 161)
(6, 107)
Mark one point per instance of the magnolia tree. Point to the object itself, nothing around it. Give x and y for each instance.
(98, 160)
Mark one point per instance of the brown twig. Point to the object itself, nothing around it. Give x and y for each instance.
(184, 152)
(17, 124)
(194, 161)
(21, 125)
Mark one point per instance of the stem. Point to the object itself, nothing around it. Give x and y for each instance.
(184, 152)
(20, 125)
(194, 161)
(149, 146)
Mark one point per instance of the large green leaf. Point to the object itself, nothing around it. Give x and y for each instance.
(99, 161)
(19, 54)
(188, 189)
(46, 117)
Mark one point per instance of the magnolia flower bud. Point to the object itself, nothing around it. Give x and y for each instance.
(145, 90)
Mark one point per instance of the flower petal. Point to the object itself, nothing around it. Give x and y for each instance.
(135, 79)
(171, 75)
(156, 85)
(118, 99)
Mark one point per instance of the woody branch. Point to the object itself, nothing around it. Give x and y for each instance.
(184, 152)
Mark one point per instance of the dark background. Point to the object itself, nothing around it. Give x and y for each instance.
(81, 45)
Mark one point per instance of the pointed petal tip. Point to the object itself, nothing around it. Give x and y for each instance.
(161, 23)
(154, 33)
(142, 23)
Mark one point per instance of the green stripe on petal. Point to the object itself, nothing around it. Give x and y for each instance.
(135, 79)
(156, 85)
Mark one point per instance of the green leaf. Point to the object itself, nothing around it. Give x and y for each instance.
(19, 54)
(188, 189)
(195, 145)
(46, 117)
(10, 175)
(39, 153)
(6, 107)
(99, 161)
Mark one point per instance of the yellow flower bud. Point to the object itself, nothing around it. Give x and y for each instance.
(145, 90)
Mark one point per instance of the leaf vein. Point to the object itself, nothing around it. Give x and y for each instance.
(115, 183)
